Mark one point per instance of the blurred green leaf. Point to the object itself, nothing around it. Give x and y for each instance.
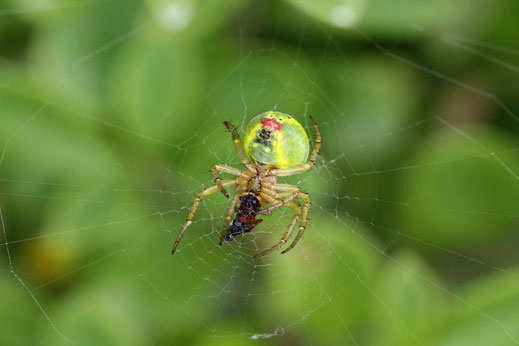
(375, 98)
(459, 194)
(333, 268)
(406, 309)
(253, 80)
(157, 86)
(486, 312)
(338, 13)
(103, 315)
(72, 48)
(43, 141)
(408, 18)
(190, 19)
(22, 321)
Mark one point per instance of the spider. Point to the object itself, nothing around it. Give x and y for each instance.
(276, 145)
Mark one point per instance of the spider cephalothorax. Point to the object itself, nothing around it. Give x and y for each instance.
(278, 146)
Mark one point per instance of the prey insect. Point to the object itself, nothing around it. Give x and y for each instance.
(275, 145)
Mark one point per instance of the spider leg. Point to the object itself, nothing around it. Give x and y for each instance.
(297, 214)
(268, 195)
(304, 219)
(238, 145)
(296, 192)
(228, 217)
(205, 192)
(289, 193)
(225, 169)
(305, 166)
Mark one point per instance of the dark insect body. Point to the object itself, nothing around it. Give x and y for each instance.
(245, 219)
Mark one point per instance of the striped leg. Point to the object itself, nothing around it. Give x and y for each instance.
(297, 208)
(304, 218)
(238, 145)
(225, 169)
(205, 192)
(287, 194)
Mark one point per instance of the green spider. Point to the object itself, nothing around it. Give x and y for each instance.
(278, 146)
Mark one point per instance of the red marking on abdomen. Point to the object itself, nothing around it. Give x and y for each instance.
(272, 123)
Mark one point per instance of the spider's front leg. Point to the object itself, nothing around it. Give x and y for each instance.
(238, 145)
(205, 192)
(225, 169)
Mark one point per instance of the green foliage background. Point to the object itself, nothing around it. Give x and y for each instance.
(110, 117)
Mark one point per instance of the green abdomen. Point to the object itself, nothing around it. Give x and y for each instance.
(284, 147)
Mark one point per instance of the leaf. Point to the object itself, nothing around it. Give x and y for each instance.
(18, 309)
(405, 309)
(376, 98)
(99, 314)
(459, 194)
(192, 19)
(327, 282)
(338, 13)
(69, 65)
(408, 18)
(41, 140)
(486, 312)
(157, 87)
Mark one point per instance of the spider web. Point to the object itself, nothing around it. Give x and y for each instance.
(87, 244)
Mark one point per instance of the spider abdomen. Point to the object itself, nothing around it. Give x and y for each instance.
(276, 139)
